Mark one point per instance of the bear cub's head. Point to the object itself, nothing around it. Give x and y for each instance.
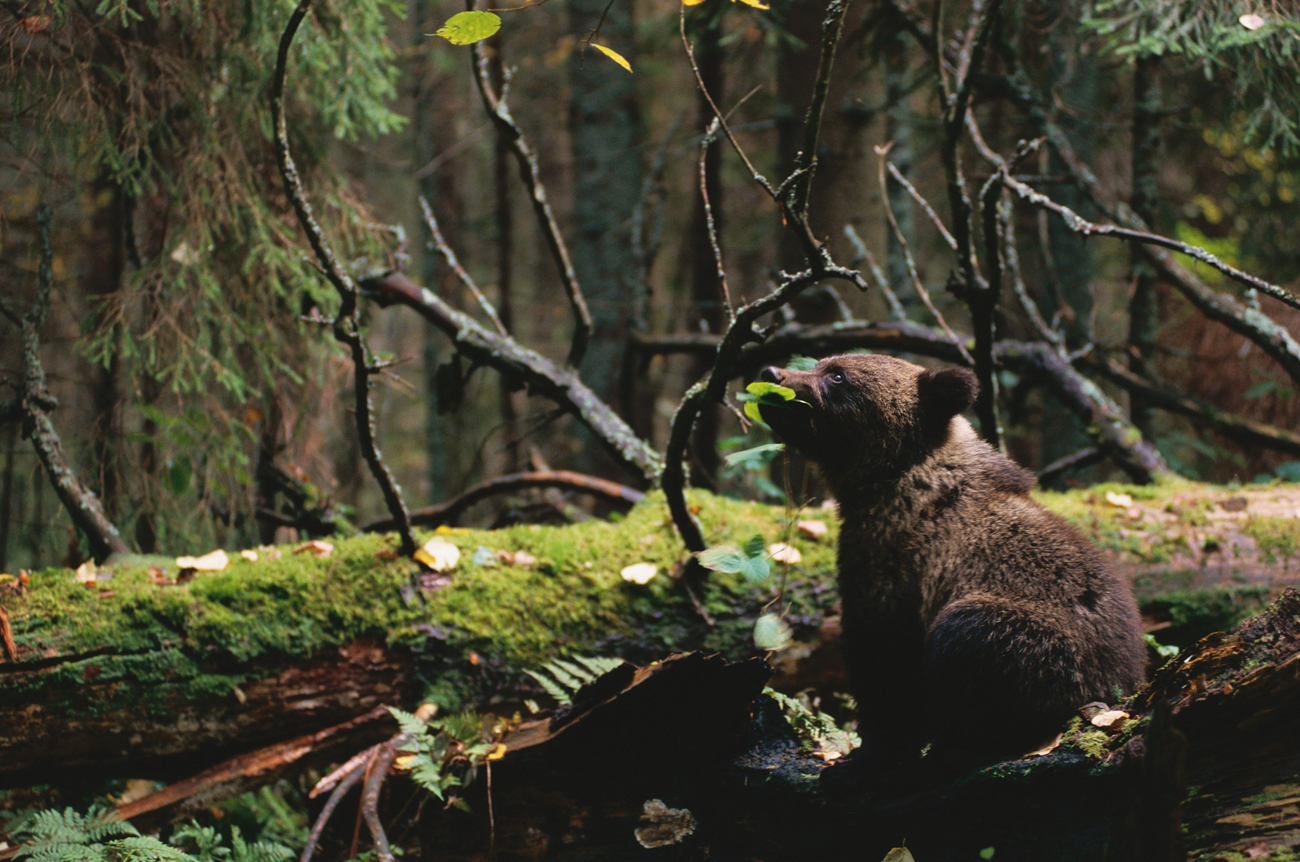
(867, 411)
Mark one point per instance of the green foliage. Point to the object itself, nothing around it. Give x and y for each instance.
(771, 632)
(158, 111)
(98, 836)
(1257, 55)
(751, 561)
(446, 751)
(815, 730)
(566, 677)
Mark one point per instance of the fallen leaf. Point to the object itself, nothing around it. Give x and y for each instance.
(438, 554)
(86, 573)
(523, 559)
(639, 573)
(899, 854)
(1251, 22)
(251, 556)
(1119, 501)
(213, 561)
(498, 751)
(1111, 719)
(813, 529)
(783, 553)
(1048, 748)
(316, 548)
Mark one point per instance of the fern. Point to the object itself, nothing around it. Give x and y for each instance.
(98, 836)
(566, 677)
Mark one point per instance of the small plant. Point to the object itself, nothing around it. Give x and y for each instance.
(99, 836)
(445, 752)
(817, 732)
(566, 677)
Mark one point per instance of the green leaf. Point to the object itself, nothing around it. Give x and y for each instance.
(760, 388)
(756, 569)
(466, 28)
(755, 457)
(755, 546)
(1289, 471)
(726, 557)
(771, 632)
(1263, 387)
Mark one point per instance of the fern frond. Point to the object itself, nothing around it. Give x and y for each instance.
(598, 665)
(552, 688)
(562, 676)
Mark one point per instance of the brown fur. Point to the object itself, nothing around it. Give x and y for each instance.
(972, 617)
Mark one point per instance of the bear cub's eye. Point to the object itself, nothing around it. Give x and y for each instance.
(836, 377)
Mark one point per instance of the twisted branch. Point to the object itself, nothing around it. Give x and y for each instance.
(347, 329)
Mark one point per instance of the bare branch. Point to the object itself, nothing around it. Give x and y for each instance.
(1271, 337)
(917, 284)
(346, 326)
(862, 255)
(34, 402)
(925, 205)
(453, 263)
(1244, 431)
(521, 365)
(530, 173)
(451, 510)
(711, 228)
(806, 163)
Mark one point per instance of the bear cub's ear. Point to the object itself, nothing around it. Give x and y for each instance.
(943, 394)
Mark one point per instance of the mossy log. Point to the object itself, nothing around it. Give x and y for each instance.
(145, 671)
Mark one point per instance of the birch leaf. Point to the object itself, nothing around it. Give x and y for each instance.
(613, 55)
(466, 28)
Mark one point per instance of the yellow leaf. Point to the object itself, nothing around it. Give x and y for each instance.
(613, 55)
(498, 752)
(692, 2)
(251, 556)
(87, 573)
(754, 3)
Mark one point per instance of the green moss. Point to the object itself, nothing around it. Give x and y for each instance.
(198, 638)
(1278, 538)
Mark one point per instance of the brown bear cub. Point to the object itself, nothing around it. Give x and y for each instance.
(973, 618)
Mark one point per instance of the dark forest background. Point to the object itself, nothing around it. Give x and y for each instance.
(198, 389)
